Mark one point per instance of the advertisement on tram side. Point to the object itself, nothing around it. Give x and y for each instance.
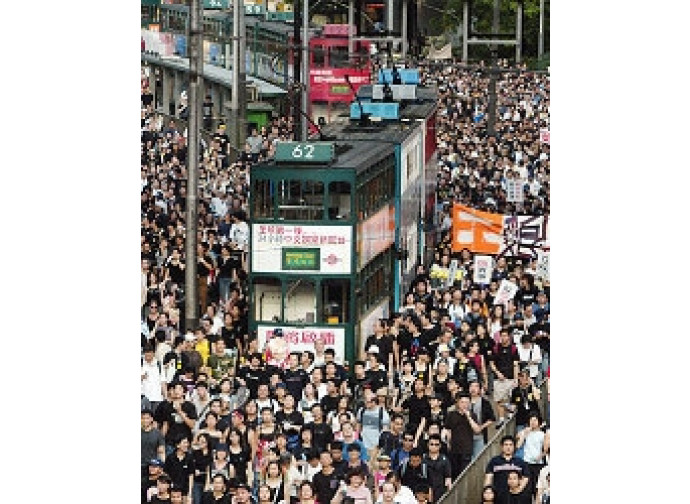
(375, 235)
(411, 205)
(285, 248)
(298, 339)
(329, 85)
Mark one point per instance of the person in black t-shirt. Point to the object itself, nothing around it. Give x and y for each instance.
(339, 463)
(150, 481)
(383, 342)
(504, 363)
(497, 469)
(414, 471)
(291, 421)
(295, 378)
(330, 401)
(222, 138)
(327, 480)
(218, 493)
(226, 273)
(321, 432)
(417, 405)
(180, 466)
(461, 426)
(438, 467)
(162, 490)
(203, 458)
(524, 397)
(175, 268)
(253, 375)
(176, 416)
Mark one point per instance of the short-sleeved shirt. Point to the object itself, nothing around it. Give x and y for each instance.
(505, 358)
(499, 467)
(150, 441)
(461, 433)
(176, 426)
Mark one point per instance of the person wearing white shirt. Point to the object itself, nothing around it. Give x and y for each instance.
(151, 381)
(530, 355)
(403, 494)
(444, 354)
(239, 232)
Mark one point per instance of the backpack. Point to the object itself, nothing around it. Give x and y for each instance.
(360, 414)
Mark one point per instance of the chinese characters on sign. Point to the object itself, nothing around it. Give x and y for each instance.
(506, 292)
(496, 234)
(483, 268)
(515, 191)
(296, 235)
(296, 339)
(300, 259)
(287, 248)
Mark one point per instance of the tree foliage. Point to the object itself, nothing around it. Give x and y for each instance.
(481, 21)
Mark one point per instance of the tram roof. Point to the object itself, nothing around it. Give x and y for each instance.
(396, 131)
(349, 155)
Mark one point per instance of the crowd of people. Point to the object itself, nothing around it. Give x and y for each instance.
(446, 370)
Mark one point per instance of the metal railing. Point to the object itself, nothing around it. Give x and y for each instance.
(467, 488)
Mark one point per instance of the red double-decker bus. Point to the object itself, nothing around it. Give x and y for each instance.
(329, 93)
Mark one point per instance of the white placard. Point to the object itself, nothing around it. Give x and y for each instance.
(545, 136)
(333, 242)
(452, 270)
(483, 268)
(506, 291)
(515, 190)
(543, 264)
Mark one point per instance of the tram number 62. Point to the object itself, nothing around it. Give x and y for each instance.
(303, 151)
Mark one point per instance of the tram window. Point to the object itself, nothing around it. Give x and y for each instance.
(262, 194)
(300, 200)
(267, 299)
(319, 58)
(335, 300)
(300, 301)
(313, 198)
(339, 197)
(338, 57)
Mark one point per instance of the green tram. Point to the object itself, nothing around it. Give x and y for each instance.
(322, 242)
(337, 227)
(150, 14)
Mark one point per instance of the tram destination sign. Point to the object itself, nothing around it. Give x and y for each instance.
(304, 152)
(297, 259)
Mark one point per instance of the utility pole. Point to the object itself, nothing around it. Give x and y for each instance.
(235, 100)
(540, 46)
(491, 122)
(196, 68)
(296, 70)
(305, 69)
(242, 81)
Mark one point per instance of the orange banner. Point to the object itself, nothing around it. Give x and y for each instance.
(477, 231)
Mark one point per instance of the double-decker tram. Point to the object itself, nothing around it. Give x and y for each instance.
(329, 63)
(337, 225)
